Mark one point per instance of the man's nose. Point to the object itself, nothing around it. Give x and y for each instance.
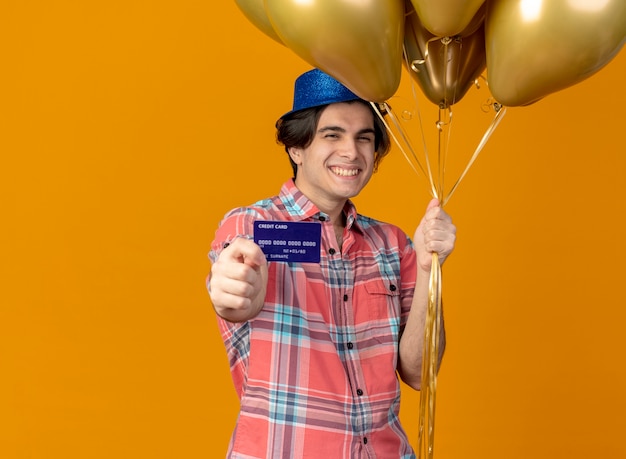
(349, 149)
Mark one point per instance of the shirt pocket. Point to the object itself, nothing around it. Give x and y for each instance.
(383, 299)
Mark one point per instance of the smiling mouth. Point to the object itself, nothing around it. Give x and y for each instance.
(344, 172)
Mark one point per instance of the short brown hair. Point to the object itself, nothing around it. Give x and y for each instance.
(298, 130)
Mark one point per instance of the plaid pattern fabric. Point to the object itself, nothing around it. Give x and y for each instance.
(316, 370)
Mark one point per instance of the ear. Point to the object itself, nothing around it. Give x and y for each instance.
(296, 155)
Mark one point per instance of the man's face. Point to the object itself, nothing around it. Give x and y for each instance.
(340, 160)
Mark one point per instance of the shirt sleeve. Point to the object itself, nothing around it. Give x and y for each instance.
(236, 223)
(408, 274)
(236, 336)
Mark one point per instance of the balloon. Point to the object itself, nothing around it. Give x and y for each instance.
(477, 21)
(255, 12)
(357, 42)
(446, 18)
(537, 47)
(445, 68)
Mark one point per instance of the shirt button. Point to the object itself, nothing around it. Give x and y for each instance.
(365, 440)
(345, 298)
(359, 392)
(226, 244)
(332, 251)
(392, 288)
(350, 345)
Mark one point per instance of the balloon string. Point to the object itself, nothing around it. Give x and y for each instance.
(500, 112)
(431, 355)
(412, 85)
(433, 328)
(434, 315)
(430, 363)
(405, 140)
(443, 124)
(432, 332)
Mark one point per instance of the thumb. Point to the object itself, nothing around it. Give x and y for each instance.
(432, 204)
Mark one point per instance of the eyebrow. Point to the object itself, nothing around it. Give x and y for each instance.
(342, 130)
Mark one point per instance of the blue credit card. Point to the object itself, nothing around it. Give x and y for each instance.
(289, 241)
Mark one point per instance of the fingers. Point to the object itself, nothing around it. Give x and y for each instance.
(243, 251)
(435, 212)
(436, 233)
(238, 263)
(440, 242)
(237, 276)
(437, 224)
(239, 280)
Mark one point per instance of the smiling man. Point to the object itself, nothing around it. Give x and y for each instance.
(315, 347)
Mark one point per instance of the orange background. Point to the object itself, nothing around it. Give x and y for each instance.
(128, 128)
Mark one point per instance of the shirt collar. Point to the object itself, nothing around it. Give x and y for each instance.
(302, 208)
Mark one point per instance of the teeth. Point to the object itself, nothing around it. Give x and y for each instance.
(345, 172)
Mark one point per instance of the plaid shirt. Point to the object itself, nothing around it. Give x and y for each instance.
(316, 369)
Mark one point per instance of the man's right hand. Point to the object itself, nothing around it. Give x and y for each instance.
(238, 281)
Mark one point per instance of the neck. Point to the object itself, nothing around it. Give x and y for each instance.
(335, 212)
(338, 225)
(336, 217)
(333, 208)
